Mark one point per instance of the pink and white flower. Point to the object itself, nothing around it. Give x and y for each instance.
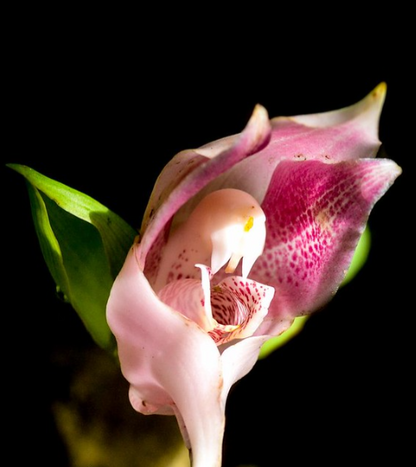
(240, 237)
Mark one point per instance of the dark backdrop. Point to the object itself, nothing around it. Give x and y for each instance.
(104, 118)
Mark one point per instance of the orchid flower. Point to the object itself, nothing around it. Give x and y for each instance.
(239, 238)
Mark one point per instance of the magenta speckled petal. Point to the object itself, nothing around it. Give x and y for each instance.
(315, 214)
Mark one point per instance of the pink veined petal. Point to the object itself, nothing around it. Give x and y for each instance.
(346, 134)
(158, 214)
(169, 361)
(315, 214)
(191, 297)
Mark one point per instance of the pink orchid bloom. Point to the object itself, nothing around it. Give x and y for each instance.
(240, 237)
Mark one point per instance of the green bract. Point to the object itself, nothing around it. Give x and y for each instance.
(84, 245)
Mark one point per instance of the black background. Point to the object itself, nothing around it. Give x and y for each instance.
(103, 112)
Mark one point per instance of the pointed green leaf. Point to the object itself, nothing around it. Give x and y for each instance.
(84, 245)
(48, 243)
(116, 234)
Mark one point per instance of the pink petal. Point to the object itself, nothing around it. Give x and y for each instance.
(366, 112)
(170, 362)
(346, 134)
(174, 189)
(215, 148)
(315, 214)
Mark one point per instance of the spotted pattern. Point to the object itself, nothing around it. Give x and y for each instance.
(315, 214)
(232, 309)
(240, 303)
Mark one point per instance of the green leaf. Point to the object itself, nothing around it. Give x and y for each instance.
(84, 245)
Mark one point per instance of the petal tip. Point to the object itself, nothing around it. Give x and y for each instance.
(260, 113)
(259, 119)
(374, 100)
(367, 112)
(258, 128)
(379, 92)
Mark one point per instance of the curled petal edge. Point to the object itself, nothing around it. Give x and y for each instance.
(253, 138)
